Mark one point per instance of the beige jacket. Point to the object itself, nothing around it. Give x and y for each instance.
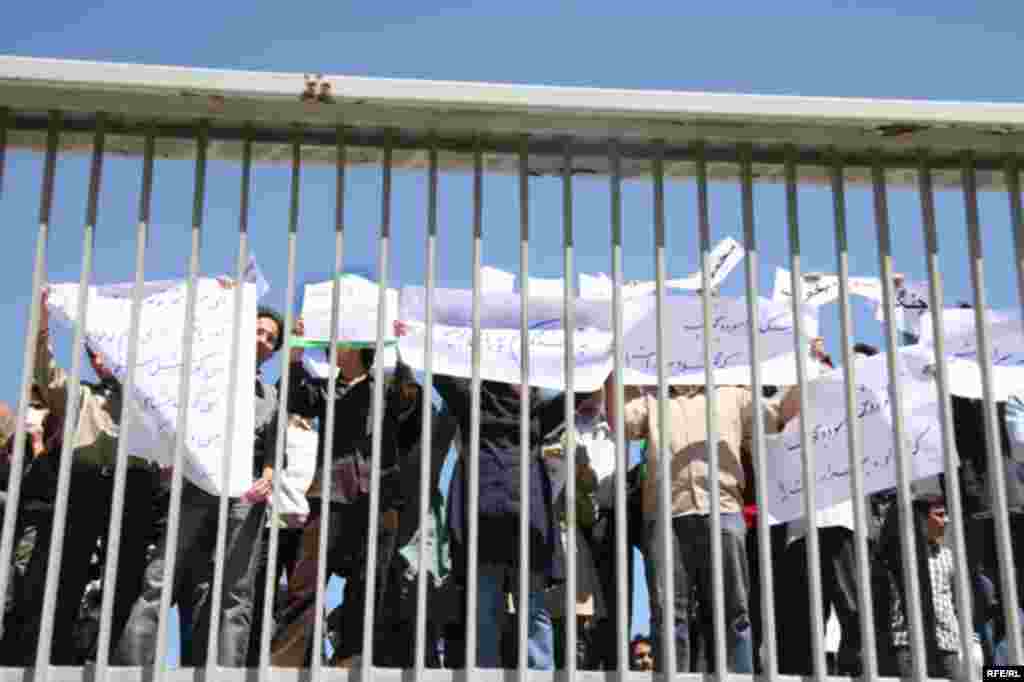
(99, 417)
(687, 444)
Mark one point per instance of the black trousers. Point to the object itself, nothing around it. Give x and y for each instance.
(604, 544)
(839, 592)
(288, 542)
(87, 523)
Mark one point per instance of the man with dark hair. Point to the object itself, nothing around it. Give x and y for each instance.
(196, 536)
(641, 654)
(94, 446)
(352, 448)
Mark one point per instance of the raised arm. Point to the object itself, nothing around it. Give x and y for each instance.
(51, 380)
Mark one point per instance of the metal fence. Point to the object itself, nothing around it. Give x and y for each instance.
(57, 108)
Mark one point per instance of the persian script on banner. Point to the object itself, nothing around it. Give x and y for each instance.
(501, 341)
(826, 401)
(684, 341)
(152, 420)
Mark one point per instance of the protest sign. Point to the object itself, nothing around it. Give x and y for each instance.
(961, 346)
(820, 290)
(357, 313)
(152, 419)
(826, 401)
(684, 341)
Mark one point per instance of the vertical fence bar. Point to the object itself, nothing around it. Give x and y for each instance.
(270, 587)
(711, 420)
(950, 460)
(426, 442)
(472, 503)
(866, 614)
(525, 451)
(174, 508)
(327, 432)
(220, 544)
(569, 325)
(32, 340)
(383, 253)
(809, 472)
(664, 473)
(1012, 179)
(904, 471)
(5, 116)
(997, 472)
(121, 470)
(752, 264)
(71, 409)
(622, 548)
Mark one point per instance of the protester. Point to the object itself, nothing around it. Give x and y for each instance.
(94, 452)
(687, 445)
(641, 654)
(352, 448)
(195, 542)
(936, 571)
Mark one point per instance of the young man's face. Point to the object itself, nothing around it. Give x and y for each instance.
(936, 522)
(99, 366)
(267, 334)
(642, 656)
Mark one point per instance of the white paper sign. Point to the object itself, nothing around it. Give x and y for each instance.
(357, 312)
(826, 400)
(824, 289)
(151, 427)
(684, 340)
(961, 345)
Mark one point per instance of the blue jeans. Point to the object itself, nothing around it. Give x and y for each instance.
(491, 616)
(692, 578)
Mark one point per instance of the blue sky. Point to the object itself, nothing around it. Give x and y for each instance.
(952, 51)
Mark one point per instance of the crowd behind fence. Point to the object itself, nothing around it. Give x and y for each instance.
(522, 558)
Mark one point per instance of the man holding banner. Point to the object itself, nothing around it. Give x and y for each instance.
(690, 498)
(196, 536)
(94, 448)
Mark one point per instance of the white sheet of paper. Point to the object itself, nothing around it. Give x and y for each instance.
(828, 426)
(357, 313)
(152, 423)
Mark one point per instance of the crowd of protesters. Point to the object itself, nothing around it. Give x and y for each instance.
(144, 541)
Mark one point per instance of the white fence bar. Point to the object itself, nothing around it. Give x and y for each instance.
(29, 356)
(121, 469)
(950, 460)
(525, 449)
(869, 654)
(426, 442)
(174, 509)
(569, 325)
(665, 535)
(912, 591)
(807, 456)
(212, 662)
(473, 468)
(71, 413)
(996, 469)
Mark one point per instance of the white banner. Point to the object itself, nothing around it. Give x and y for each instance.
(501, 345)
(826, 400)
(961, 345)
(684, 341)
(151, 427)
(357, 312)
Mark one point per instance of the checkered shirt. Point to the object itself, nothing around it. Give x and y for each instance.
(947, 630)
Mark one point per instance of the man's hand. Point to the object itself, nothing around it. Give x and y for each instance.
(259, 492)
(401, 328)
(298, 331)
(226, 282)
